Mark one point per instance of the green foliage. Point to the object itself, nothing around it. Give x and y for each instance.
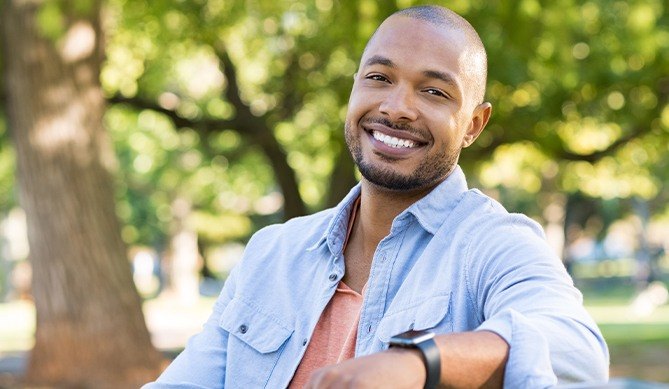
(51, 20)
(54, 16)
(289, 71)
(579, 92)
(578, 89)
(7, 169)
(160, 165)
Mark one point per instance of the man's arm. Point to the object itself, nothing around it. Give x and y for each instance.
(484, 352)
(468, 359)
(527, 298)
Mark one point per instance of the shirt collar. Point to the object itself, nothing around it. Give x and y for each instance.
(335, 233)
(432, 210)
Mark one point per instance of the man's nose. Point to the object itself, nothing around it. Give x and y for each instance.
(399, 104)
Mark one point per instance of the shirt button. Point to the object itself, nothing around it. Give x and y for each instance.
(304, 342)
(333, 277)
(243, 328)
(369, 328)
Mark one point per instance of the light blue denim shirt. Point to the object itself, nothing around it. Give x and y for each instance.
(454, 261)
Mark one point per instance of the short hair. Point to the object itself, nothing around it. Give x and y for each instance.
(444, 17)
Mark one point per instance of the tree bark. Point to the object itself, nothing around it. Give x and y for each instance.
(342, 178)
(90, 331)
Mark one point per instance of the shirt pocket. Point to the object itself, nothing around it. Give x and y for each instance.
(430, 314)
(254, 345)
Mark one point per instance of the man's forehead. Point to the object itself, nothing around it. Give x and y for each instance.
(402, 38)
(412, 33)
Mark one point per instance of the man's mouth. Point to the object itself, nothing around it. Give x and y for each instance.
(393, 141)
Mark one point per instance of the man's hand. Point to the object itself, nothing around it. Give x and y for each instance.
(393, 368)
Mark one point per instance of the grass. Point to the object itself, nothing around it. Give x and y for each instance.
(638, 343)
(645, 360)
(639, 347)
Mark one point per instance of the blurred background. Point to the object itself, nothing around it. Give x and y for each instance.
(143, 142)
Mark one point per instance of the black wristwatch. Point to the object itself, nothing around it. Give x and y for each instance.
(424, 342)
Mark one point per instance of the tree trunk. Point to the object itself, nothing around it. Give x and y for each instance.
(90, 331)
(342, 178)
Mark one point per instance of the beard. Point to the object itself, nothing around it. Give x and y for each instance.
(433, 169)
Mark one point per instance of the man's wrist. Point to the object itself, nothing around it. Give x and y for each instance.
(412, 359)
(423, 344)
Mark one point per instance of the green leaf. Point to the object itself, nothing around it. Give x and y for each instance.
(51, 20)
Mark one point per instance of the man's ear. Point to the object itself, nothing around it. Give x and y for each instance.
(480, 118)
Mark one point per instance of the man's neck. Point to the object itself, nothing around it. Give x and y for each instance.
(380, 206)
(378, 209)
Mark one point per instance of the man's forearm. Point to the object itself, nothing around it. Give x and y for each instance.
(468, 359)
(472, 359)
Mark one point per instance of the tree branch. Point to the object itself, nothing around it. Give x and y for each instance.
(637, 132)
(291, 99)
(232, 92)
(259, 131)
(597, 155)
(255, 128)
(205, 126)
(562, 154)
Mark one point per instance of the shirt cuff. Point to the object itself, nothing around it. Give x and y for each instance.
(529, 364)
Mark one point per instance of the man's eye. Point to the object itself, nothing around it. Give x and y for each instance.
(437, 92)
(377, 77)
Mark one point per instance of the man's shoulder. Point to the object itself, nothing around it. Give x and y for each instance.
(484, 212)
(490, 234)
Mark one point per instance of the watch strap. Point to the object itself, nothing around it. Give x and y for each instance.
(432, 360)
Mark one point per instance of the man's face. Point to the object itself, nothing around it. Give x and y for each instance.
(410, 109)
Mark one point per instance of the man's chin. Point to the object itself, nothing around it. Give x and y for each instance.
(390, 180)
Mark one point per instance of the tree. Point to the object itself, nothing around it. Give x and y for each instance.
(90, 330)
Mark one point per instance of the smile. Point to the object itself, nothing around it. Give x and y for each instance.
(392, 141)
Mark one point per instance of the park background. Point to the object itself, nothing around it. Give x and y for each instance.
(143, 142)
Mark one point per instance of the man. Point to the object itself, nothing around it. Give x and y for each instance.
(409, 253)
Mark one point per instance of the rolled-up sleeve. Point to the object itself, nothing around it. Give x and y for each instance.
(528, 299)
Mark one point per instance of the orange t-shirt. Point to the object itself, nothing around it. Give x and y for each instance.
(334, 337)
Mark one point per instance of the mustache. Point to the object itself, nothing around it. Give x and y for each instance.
(397, 126)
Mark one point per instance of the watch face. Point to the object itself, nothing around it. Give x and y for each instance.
(411, 337)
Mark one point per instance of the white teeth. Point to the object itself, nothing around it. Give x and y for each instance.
(392, 141)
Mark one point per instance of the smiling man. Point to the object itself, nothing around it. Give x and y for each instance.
(413, 279)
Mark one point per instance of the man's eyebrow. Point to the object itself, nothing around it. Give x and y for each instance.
(445, 77)
(379, 60)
